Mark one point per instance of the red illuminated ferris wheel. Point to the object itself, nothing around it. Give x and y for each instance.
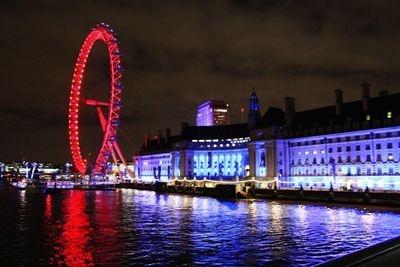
(110, 122)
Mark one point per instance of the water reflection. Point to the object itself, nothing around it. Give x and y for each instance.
(72, 246)
(130, 227)
(48, 208)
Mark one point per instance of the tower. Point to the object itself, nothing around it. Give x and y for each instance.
(254, 111)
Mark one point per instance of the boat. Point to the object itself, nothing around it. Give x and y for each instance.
(32, 186)
(19, 184)
(57, 186)
(95, 186)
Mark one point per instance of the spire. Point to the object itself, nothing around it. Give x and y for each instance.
(254, 116)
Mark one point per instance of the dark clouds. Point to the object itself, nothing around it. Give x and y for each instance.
(180, 53)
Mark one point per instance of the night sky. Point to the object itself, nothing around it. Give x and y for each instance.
(177, 54)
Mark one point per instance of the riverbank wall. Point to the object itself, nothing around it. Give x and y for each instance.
(236, 191)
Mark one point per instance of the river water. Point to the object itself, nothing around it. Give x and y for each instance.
(135, 228)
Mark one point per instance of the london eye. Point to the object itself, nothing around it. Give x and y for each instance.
(109, 120)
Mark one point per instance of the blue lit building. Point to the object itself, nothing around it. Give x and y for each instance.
(350, 145)
(347, 145)
(212, 152)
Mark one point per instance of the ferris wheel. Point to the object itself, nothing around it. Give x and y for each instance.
(109, 122)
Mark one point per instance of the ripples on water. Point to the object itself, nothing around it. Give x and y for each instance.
(130, 227)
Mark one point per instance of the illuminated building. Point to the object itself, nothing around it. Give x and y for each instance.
(347, 145)
(214, 152)
(213, 112)
(153, 161)
(350, 145)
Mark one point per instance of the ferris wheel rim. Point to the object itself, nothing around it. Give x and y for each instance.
(105, 33)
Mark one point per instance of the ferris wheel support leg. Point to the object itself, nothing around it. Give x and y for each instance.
(115, 161)
(103, 126)
(116, 147)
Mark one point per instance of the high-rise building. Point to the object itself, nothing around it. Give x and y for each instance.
(213, 112)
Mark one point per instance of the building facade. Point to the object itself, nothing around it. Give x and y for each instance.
(351, 145)
(212, 152)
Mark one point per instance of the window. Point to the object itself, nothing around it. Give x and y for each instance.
(378, 146)
(348, 159)
(389, 145)
(348, 138)
(314, 161)
(322, 161)
(348, 148)
(390, 157)
(379, 157)
(339, 149)
(389, 134)
(369, 158)
(339, 160)
(357, 148)
(330, 150)
(377, 135)
(389, 114)
(367, 147)
(368, 117)
(358, 158)
(357, 137)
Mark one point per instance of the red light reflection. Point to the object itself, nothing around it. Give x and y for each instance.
(48, 211)
(74, 239)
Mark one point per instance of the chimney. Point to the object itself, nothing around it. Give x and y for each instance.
(146, 139)
(338, 101)
(365, 96)
(184, 125)
(289, 110)
(160, 136)
(383, 93)
(167, 135)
